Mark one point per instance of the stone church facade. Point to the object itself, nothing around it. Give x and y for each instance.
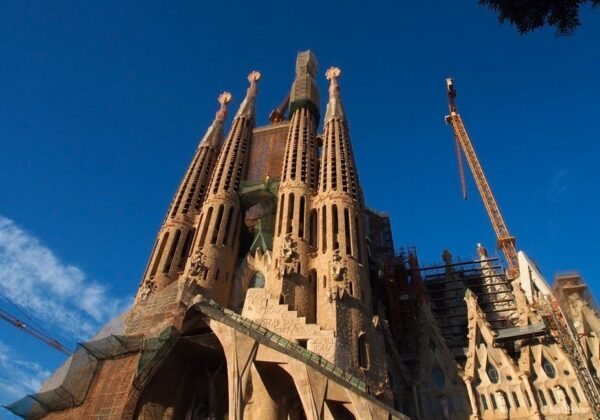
(272, 292)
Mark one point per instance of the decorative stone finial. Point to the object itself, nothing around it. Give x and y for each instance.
(332, 74)
(481, 251)
(224, 99)
(253, 77)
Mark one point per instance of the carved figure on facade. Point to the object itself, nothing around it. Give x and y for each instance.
(336, 269)
(199, 264)
(289, 256)
(336, 293)
(501, 401)
(147, 289)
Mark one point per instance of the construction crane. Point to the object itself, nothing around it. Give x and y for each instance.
(550, 311)
(506, 242)
(41, 336)
(278, 114)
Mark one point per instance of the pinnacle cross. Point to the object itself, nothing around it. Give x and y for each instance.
(224, 99)
(332, 74)
(253, 77)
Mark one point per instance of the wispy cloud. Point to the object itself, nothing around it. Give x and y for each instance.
(18, 376)
(33, 277)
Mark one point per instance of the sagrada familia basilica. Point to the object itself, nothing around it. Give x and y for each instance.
(272, 292)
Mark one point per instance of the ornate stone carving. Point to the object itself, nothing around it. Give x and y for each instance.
(336, 293)
(289, 256)
(199, 264)
(336, 269)
(148, 288)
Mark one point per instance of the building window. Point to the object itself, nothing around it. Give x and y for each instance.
(542, 397)
(492, 373)
(363, 351)
(172, 250)
(575, 394)
(186, 249)
(301, 218)
(313, 228)
(205, 227)
(159, 255)
(548, 368)
(217, 227)
(516, 399)
(257, 281)
(347, 232)
(227, 226)
(290, 219)
(551, 394)
(335, 227)
(493, 400)
(324, 228)
(438, 377)
(484, 404)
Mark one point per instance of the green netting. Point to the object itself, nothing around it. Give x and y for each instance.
(154, 351)
(81, 368)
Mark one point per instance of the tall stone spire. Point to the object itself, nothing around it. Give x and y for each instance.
(216, 246)
(170, 252)
(295, 226)
(344, 301)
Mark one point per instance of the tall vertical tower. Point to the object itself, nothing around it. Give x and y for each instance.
(344, 296)
(215, 250)
(294, 238)
(170, 252)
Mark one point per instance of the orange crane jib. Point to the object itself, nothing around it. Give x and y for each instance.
(506, 242)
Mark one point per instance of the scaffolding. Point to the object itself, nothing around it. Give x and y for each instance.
(404, 292)
(446, 285)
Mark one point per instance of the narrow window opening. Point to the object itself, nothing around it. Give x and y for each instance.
(290, 218)
(347, 231)
(186, 249)
(205, 227)
(324, 282)
(335, 226)
(172, 250)
(217, 228)
(324, 228)
(227, 226)
(301, 218)
(575, 394)
(527, 399)
(281, 200)
(350, 288)
(493, 400)
(313, 228)
(516, 399)
(159, 255)
(542, 397)
(484, 404)
(363, 350)
(551, 394)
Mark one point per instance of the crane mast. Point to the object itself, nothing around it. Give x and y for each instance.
(506, 242)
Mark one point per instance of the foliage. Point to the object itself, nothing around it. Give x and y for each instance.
(528, 15)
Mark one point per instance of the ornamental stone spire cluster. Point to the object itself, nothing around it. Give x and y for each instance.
(174, 239)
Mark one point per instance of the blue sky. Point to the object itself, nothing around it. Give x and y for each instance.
(101, 106)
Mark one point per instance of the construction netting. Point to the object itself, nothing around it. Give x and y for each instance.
(81, 367)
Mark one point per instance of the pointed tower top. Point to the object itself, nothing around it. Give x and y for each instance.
(247, 105)
(214, 134)
(304, 92)
(224, 99)
(334, 107)
(332, 74)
